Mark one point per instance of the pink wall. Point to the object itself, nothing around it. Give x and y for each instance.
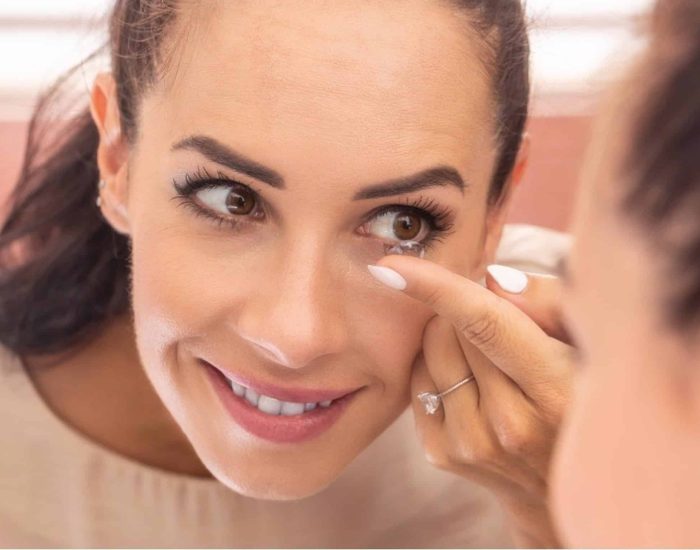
(544, 198)
(547, 193)
(12, 135)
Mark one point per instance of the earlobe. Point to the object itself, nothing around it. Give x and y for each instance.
(113, 206)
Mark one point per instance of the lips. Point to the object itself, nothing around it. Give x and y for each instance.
(280, 428)
(296, 395)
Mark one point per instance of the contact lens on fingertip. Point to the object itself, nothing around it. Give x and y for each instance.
(408, 248)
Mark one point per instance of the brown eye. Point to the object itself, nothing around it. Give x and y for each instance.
(407, 226)
(399, 225)
(240, 202)
(227, 200)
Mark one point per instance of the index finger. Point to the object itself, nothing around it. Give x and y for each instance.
(541, 300)
(501, 331)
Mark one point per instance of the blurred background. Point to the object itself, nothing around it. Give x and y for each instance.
(578, 46)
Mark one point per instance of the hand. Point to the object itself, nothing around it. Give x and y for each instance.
(499, 430)
(540, 300)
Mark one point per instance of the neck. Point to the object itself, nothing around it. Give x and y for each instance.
(102, 391)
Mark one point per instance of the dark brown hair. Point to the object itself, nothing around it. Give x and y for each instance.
(661, 167)
(64, 272)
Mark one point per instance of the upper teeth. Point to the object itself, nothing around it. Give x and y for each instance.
(273, 406)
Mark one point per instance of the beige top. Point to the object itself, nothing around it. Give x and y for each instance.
(58, 488)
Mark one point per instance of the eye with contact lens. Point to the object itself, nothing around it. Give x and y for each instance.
(405, 230)
(406, 248)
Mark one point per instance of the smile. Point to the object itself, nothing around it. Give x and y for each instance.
(272, 406)
(286, 416)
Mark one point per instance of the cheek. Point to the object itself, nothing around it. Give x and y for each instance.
(178, 290)
(391, 332)
(600, 460)
(578, 466)
(617, 464)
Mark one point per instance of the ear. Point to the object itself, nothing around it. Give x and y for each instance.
(112, 152)
(497, 213)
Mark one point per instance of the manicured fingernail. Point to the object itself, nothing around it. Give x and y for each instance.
(511, 280)
(387, 276)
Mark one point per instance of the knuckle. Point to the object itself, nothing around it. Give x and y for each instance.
(435, 296)
(473, 452)
(438, 458)
(514, 436)
(432, 327)
(484, 454)
(482, 331)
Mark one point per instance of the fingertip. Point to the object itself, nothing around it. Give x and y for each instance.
(397, 262)
(508, 279)
(407, 267)
(388, 277)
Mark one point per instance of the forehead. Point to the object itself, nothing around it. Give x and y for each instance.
(392, 74)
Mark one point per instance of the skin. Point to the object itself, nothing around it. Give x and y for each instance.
(633, 434)
(332, 119)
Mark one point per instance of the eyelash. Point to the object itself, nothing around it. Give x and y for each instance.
(439, 218)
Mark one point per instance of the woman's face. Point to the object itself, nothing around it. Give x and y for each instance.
(625, 471)
(325, 131)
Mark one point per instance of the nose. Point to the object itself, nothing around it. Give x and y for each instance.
(296, 315)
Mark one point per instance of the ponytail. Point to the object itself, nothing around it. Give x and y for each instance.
(63, 269)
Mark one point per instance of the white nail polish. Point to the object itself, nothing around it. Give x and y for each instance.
(509, 279)
(387, 276)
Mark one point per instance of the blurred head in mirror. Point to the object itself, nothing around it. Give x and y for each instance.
(626, 469)
(257, 156)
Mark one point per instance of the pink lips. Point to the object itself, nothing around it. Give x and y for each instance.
(279, 428)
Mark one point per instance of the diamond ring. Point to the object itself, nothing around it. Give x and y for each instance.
(431, 401)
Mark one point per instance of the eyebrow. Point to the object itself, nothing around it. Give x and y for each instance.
(219, 153)
(215, 151)
(439, 176)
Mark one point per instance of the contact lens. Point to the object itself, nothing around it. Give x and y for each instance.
(409, 248)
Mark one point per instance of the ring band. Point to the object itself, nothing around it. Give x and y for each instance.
(431, 401)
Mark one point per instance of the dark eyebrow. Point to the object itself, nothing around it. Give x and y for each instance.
(219, 153)
(432, 177)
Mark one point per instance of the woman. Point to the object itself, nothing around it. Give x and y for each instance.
(213, 314)
(633, 302)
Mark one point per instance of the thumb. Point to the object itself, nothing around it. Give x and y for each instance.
(538, 296)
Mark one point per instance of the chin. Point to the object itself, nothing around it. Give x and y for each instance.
(277, 490)
(264, 480)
